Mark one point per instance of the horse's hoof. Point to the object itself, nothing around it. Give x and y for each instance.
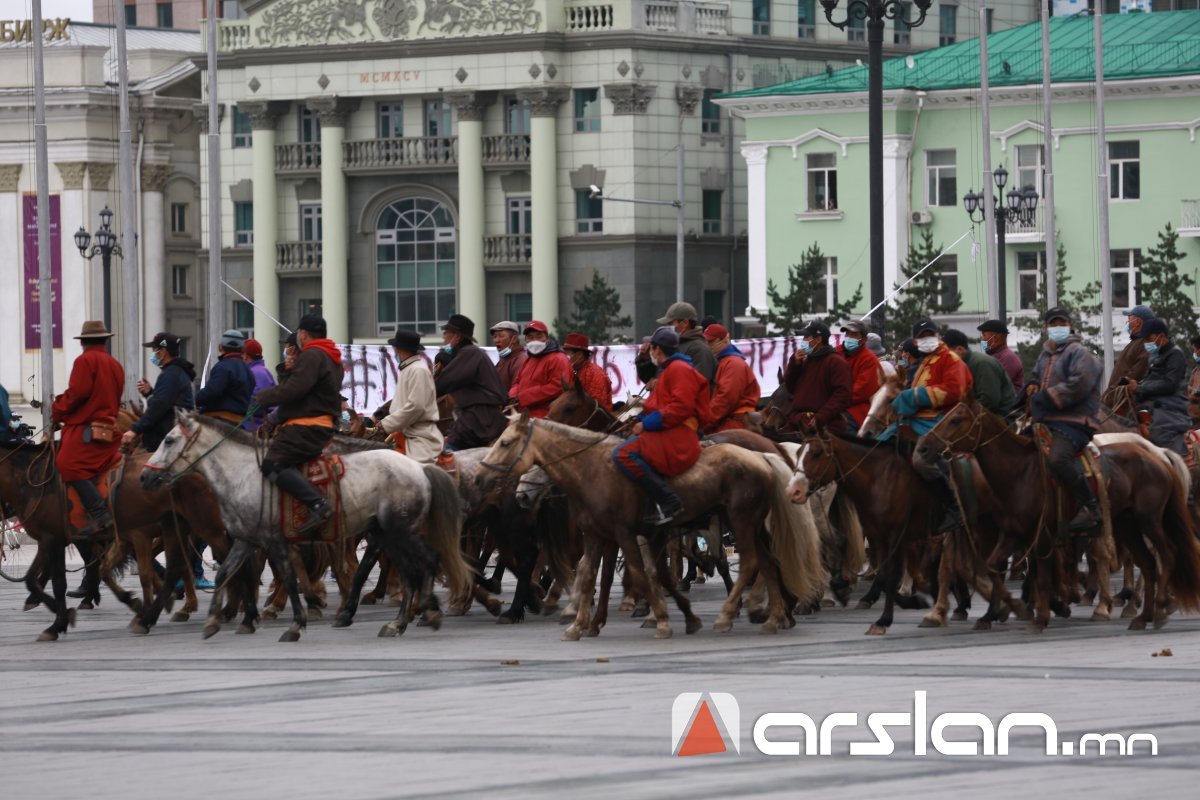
(550, 609)
(30, 606)
(368, 600)
(1137, 624)
(722, 626)
(289, 636)
(641, 611)
(770, 626)
(314, 612)
(1159, 620)
(169, 603)
(959, 616)
(270, 612)
(649, 622)
(1100, 616)
(1130, 610)
(86, 605)
(47, 636)
(342, 621)
(828, 602)
(626, 606)
(982, 625)
(863, 605)
(758, 616)
(663, 632)
(138, 628)
(211, 631)
(1036, 626)
(456, 611)
(72, 618)
(693, 625)
(432, 620)
(572, 633)
(494, 607)
(508, 618)
(1025, 614)
(876, 629)
(245, 629)
(932, 621)
(182, 616)
(593, 631)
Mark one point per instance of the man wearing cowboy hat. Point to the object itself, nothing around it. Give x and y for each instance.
(592, 377)
(542, 377)
(471, 379)
(87, 411)
(413, 415)
(506, 338)
(230, 384)
(172, 390)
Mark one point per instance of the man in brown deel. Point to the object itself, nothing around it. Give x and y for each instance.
(1134, 361)
(308, 401)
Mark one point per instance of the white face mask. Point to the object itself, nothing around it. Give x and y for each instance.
(928, 344)
(535, 348)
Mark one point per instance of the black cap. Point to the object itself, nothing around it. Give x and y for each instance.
(460, 324)
(291, 340)
(311, 323)
(909, 347)
(1058, 312)
(167, 341)
(708, 320)
(954, 338)
(923, 325)
(993, 326)
(409, 341)
(1154, 327)
(816, 328)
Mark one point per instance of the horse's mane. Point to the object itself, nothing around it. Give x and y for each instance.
(340, 444)
(580, 435)
(343, 443)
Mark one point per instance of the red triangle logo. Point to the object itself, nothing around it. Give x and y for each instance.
(704, 736)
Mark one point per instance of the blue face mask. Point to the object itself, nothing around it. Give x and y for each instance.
(346, 416)
(155, 360)
(1151, 348)
(983, 344)
(902, 362)
(805, 346)
(446, 348)
(850, 344)
(1058, 333)
(506, 352)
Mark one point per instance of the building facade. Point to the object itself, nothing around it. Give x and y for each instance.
(806, 155)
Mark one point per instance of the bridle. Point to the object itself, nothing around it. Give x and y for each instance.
(507, 470)
(190, 440)
(974, 430)
(826, 440)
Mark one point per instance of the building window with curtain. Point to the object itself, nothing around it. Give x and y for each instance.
(822, 182)
(711, 206)
(1125, 277)
(179, 219)
(1029, 278)
(589, 212)
(948, 25)
(901, 34)
(806, 19)
(389, 119)
(1029, 167)
(166, 16)
(179, 281)
(941, 187)
(856, 31)
(761, 14)
(518, 307)
(243, 224)
(587, 110)
(243, 130)
(243, 318)
(710, 113)
(947, 274)
(1124, 171)
(130, 15)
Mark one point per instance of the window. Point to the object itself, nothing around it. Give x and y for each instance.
(824, 296)
(710, 113)
(1030, 267)
(518, 307)
(131, 15)
(243, 317)
(179, 281)
(416, 265)
(310, 222)
(166, 18)
(711, 203)
(310, 306)
(1125, 277)
(587, 110)
(516, 115)
(856, 31)
(389, 120)
(901, 34)
(806, 19)
(520, 226)
(948, 17)
(1029, 167)
(822, 182)
(179, 218)
(310, 126)
(940, 186)
(589, 212)
(437, 118)
(243, 224)
(243, 131)
(761, 14)
(713, 303)
(947, 267)
(989, 19)
(1124, 171)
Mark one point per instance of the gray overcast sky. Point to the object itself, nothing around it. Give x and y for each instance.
(79, 10)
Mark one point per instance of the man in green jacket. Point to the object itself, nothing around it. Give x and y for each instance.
(993, 388)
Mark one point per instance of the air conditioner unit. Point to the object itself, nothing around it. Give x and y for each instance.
(922, 217)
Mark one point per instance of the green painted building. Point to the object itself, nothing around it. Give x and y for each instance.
(806, 155)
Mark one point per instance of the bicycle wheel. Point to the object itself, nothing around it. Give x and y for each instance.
(17, 550)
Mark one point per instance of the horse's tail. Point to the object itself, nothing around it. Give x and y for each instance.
(444, 529)
(1181, 535)
(845, 516)
(793, 536)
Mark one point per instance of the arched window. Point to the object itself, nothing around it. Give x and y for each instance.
(416, 263)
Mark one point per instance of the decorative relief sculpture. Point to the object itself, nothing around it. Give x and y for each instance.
(290, 22)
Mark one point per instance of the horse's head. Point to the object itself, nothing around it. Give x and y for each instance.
(818, 462)
(959, 431)
(176, 453)
(532, 487)
(510, 456)
(882, 414)
(798, 487)
(575, 407)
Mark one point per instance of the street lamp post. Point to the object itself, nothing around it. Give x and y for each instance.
(677, 203)
(106, 246)
(1020, 208)
(875, 12)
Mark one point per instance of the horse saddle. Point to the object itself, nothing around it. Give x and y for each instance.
(325, 474)
(106, 482)
(1088, 464)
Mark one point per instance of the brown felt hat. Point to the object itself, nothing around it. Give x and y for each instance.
(94, 329)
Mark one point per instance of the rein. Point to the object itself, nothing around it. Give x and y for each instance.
(507, 471)
(175, 477)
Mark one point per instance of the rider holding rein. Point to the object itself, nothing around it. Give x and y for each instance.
(821, 382)
(230, 385)
(309, 402)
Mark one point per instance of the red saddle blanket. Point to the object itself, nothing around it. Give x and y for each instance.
(325, 474)
(110, 478)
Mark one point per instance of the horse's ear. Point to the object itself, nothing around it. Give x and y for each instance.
(779, 374)
(566, 386)
(523, 420)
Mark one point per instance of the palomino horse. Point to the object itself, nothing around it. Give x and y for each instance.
(391, 498)
(881, 413)
(746, 488)
(1147, 494)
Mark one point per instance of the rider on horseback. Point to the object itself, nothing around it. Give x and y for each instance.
(1164, 389)
(820, 382)
(230, 384)
(736, 393)
(308, 401)
(665, 442)
(864, 366)
(1064, 395)
(413, 414)
(591, 376)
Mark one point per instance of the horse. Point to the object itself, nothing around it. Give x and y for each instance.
(746, 488)
(881, 413)
(1147, 489)
(387, 496)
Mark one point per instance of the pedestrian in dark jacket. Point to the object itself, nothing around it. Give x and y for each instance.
(471, 379)
(252, 353)
(230, 384)
(1163, 392)
(1134, 361)
(173, 390)
(991, 385)
(682, 317)
(820, 381)
(993, 334)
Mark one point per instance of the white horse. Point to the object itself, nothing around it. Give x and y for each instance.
(403, 507)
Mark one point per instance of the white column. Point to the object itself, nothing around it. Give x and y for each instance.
(76, 272)
(543, 181)
(896, 206)
(472, 281)
(154, 248)
(335, 216)
(12, 276)
(756, 213)
(263, 116)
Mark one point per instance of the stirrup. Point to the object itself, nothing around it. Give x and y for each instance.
(317, 517)
(660, 518)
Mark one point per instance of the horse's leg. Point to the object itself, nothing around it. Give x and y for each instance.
(380, 589)
(893, 573)
(586, 576)
(747, 573)
(777, 610)
(278, 550)
(1127, 582)
(56, 562)
(370, 557)
(249, 587)
(1040, 571)
(640, 573)
(937, 616)
(723, 568)
(525, 555)
(239, 552)
(1099, 566)
(91, 577)
(345, 564)
(609, 557)
(872, 596)
(668, 581)
(113, 557)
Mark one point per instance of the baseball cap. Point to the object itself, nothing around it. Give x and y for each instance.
(923, 326)
(1153, 327)
(715, 332)
(537, 326)
(855, 326)
(253, 348)
(1058, 312)
(665, 337)
(815, 328)
(167, 341)
(678, 311)
(1141, 312)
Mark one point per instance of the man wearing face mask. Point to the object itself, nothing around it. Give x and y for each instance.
(1193, 389)
(471, 379)
(1134, 361)
(993, 389)
(542, 377)
(940, 381)
(1163, 392)
(993, 334)
(173, 390)
(820, 381)
(506, 337)
(1064, 395)
(864, 366)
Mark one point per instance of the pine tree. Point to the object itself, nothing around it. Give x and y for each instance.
(1166, 289)
(597, 313)
(924, 297)
(804, 301)
(1084, 305)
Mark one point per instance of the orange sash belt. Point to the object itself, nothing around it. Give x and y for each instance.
(225, 415)
(693, 423)
(323, 420)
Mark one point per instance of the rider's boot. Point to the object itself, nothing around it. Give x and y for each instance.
(93, 503)
(668, 505)
(1089, 515)
(945, 493)
(291, 481)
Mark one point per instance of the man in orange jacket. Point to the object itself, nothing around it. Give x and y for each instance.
(591, 376)
(542, 375)
(864, 366)
(737, 391)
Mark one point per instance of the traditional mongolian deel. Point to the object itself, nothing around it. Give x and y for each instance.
(106, 482)
(672, 415)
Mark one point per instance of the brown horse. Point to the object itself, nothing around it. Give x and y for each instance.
(1147, 491)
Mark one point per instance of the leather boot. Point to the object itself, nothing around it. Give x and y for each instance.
(1089, 515)
(291, 481)
(668, 505)
(945, 493)
(95, 506)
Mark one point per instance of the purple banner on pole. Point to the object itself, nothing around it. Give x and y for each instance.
(33, 326)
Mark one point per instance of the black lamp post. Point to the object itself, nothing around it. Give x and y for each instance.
(875, 12)
(106, 246)
(1020, 208)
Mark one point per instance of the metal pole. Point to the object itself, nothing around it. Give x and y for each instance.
(875, 165)
(679, 227)
(1001, 267)
(1048, 177)
(131, 340)
(989, 210)
(214, 294)
(1102, 253)
(106, 266)
(45, 303)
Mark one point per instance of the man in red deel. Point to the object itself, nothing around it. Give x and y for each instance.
(665, 442)
(543, 374)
